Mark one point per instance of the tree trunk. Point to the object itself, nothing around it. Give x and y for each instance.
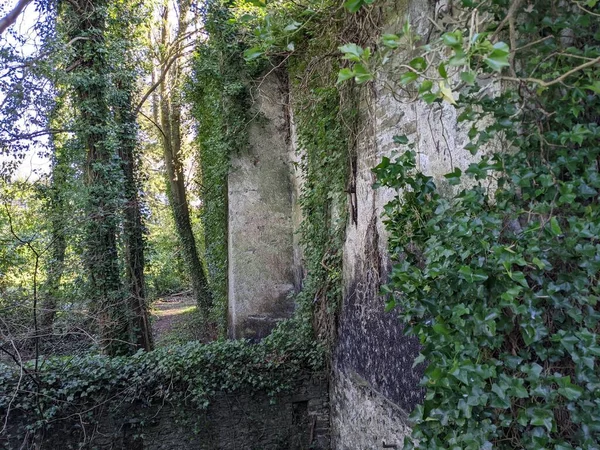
(169, 99)
(57, 212)
(170, 115)
(56, 267)
(103, 173)
(140, 330)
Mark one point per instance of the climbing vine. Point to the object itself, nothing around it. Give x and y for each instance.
(245, 40)
(219, 93)
(500, 281)
(324, 142)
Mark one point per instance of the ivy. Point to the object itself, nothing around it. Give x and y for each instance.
(323, 143)
(183, 375)
(499, 280)
(243, 39)
(324, 116)
(218, 92)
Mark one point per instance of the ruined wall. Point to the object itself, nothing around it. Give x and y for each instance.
(374, 385)
(295, 421)
(263, 269)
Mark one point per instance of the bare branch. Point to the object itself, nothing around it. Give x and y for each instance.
(153, 123)
(586, 10)
(12, 16)
(158, 82)
(510, 14)
(543, 83)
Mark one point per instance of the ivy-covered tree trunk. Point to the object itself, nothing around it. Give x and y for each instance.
(103, 175)
(170, 115)
(169, 100)
(133, 227)
(58, 248)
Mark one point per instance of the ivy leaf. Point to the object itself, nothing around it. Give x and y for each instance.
(519, 277)
(418, 360)
(453, 39)
(467, 274)
(555, 227)
(571, 392)
(408, 77)
(253, 53)
(468, 77)
(425, 86)
(402, 140)
(498, 58)
(361, 74)
(454, 176)
(353, 5)
(541, 417)
(442, 70)
(345, 74)
(390, 305)
(594, 87)
(292, 26)
(447, 93)
(351, 52)
(391, 40)
(459, 59)
(440, 328)
(418, 64)
(430, 97)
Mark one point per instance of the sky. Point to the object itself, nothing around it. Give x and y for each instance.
(33, 165)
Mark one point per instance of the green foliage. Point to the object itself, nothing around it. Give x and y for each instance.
(431, 79)
(165, 271)
(499, 281)
(20, 205)
(241, 40)
(188, 374)
(323, 143)
(218, 92)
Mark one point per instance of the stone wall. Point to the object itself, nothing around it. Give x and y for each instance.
(263, 268)
(295, 421)
(374, 385)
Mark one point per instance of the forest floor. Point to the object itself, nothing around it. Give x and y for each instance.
(174, 319)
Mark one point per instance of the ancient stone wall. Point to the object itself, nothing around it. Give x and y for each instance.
(295, 421)
(263, 268)
(374, 384)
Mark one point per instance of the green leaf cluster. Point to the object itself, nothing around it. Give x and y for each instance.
(499, 280)
(183, 375)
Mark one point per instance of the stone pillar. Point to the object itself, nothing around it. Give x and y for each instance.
(261, 235)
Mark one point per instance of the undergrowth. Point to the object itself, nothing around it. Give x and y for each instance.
(185, 375)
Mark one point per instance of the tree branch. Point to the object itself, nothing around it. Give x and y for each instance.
(510, 14)
(12, 16)
(543, 83)
(153, 123)
(157, 83)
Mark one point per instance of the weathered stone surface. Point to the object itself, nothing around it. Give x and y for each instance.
(374, 385)
(262, 272)
(295, 421)
(373, 422)
(295, 156)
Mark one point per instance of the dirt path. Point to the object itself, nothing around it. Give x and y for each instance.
(170, 313)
